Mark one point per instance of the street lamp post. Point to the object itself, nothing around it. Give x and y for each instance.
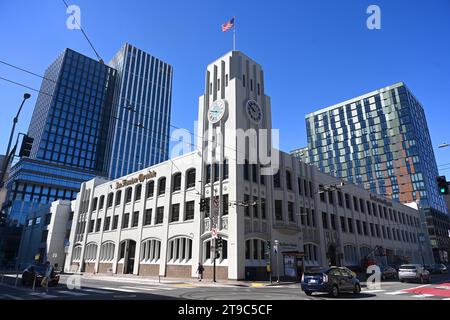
(7, 159)
(276, 242)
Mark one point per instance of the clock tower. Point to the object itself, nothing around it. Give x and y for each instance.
(235, 124)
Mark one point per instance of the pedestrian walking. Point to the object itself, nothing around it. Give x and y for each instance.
(47, 275)
(200, 270)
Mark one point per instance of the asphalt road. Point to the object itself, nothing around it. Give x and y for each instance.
(118, 288)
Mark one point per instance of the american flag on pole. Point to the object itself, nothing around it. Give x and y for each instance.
(228, 25)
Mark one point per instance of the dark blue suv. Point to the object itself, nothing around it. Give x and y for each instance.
(332, 280)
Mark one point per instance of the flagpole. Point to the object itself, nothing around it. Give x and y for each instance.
(234, 34)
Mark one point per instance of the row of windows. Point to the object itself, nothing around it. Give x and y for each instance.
(95, 225)
(359, 205)
(98, 203)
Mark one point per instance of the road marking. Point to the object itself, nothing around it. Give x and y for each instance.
(72, 293)
(12, 297)
(142, 288)
(97, 291)
(117, 289)
(42, 295)
(373, 291)
(395, 292)
(446, 299)
(425, 295)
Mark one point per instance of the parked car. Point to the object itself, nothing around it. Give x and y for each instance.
(415, 272)
(438, 268)
(387, 272)
(332, 280)
(37, 271)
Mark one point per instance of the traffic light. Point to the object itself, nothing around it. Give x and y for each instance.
(268, 245)
(25, 148)
(442, 185)
(219, 242)
(202, 205)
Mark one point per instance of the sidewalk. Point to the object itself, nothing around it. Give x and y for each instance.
(181, 281)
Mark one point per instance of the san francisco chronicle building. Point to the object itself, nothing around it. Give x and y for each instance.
(150, 223)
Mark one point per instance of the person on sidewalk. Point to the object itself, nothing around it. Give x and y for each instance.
(200, 270)
(47, 275)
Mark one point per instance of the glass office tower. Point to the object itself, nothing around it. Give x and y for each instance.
(381, 141)
(140, 132)
(70, 123)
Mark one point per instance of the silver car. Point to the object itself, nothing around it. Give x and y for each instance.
(414, 272)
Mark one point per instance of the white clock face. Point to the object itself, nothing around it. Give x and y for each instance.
(254, 111)
(216, 111)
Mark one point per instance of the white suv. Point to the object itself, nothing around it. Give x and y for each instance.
(414, 272)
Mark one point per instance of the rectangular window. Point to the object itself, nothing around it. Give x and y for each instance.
(91, 225)
(288, 180)
(44, 235)
(138, 191)
(175, 215)
(225, 204)
(255, 207)
(246, 205)
(48, 218)
(98, 225)
(343, 227)
(107, 224)
(291, 211)
(276, 180)
(125, 220)
(162, 186)
(189, 210)
(148, 217)
(135, 221)
(159, 215)
(246, 170)
(263, 208)
(333, 221)
(324, 220)
(347, 201)
(339, 194)
(278, 209)
(115, 222)
(350, 225)
(358, 226)
(254, 173)
(355, 204)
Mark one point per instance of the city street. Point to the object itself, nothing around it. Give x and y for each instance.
(143, 289)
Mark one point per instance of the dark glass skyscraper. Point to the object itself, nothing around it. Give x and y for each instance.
(379, 140)
(70, 123)
(140, 131)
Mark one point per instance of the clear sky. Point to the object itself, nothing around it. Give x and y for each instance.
(314, 53)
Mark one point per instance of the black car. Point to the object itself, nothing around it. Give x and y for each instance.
(387, 272)
(37, 271)
(332, 280)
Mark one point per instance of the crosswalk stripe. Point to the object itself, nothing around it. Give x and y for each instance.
(42, 295)
(425, 295)
(72, 293)
(142, 288)
(446, 299)
(96, 291)
(373, 291)
(395, 292)
(12, 297)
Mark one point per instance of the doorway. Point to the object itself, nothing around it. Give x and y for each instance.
(129, 247)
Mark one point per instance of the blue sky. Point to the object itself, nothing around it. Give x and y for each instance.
(314, 53)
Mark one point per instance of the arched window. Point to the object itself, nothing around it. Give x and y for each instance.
(118, 197)
(76, 254)
(162, 186)
(150, 188)
(110, 200)
(101, 203)
(151, 250)
(94, 204)
(107, 252)
(180, 250)
(128, 193)
(176, 182)
(190, 178)
(90, 252)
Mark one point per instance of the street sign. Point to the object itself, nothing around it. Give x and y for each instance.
(214, 233)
